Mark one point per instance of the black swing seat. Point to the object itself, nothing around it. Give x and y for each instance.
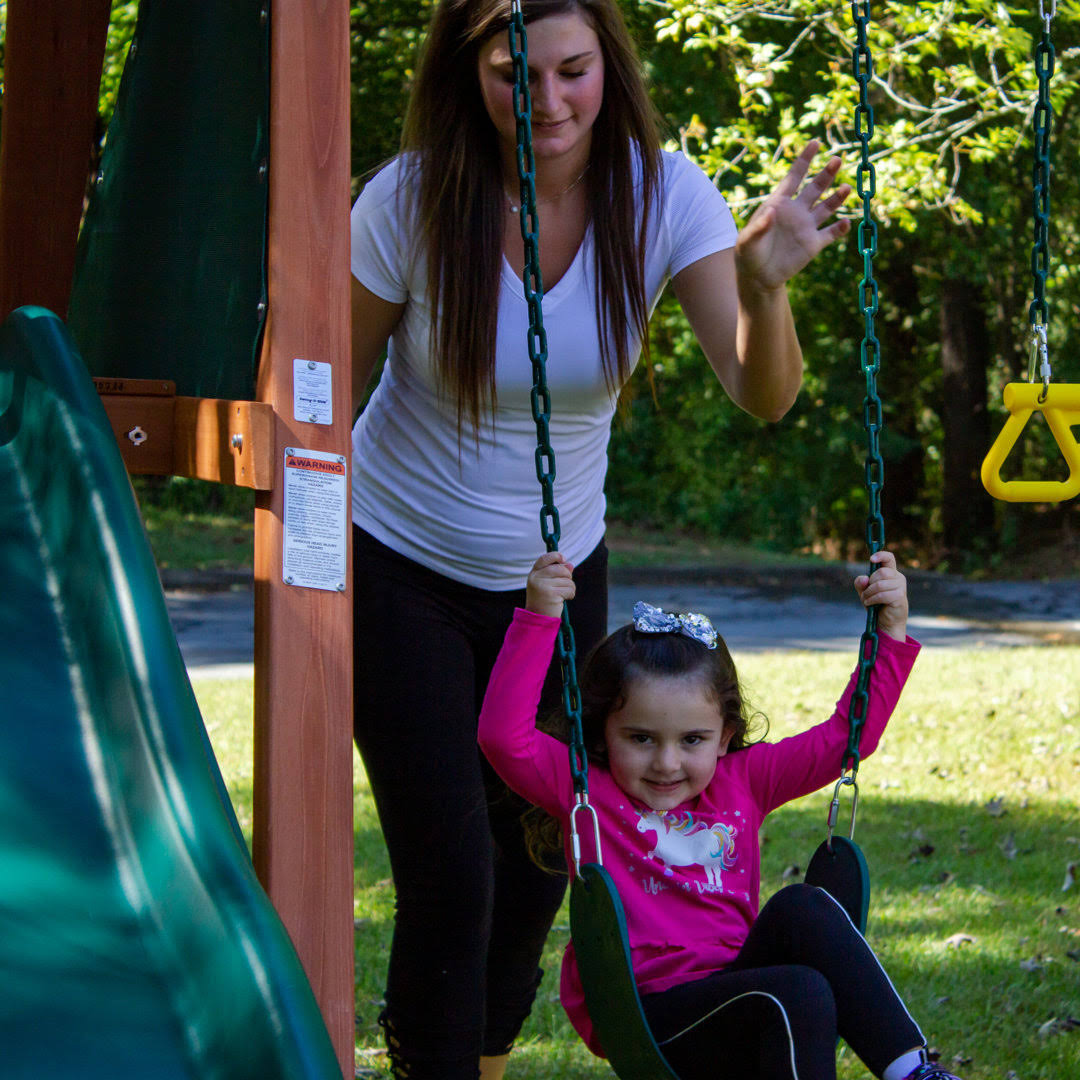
(598, 929)
(842, 872)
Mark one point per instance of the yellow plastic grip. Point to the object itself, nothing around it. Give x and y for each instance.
(1062, 410)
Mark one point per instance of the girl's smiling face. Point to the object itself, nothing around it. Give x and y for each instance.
(566, 85)
(664, 740)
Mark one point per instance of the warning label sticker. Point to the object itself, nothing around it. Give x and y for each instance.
(316, 519)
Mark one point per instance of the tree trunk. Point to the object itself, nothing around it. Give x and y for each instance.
(965, 354)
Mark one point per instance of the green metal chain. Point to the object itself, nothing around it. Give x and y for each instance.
(1042, 123)
(541, 396)
(870, 358)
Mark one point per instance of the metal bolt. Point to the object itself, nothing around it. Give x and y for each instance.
(289, 580)
(137, 435)
(261, 307)
(341, 460)
(134, 48)
(288, 451)
(313, 418)
(100, 178)
(263, 168)
(264, 14)
(311, 365)
(341, 586)
(237, 442)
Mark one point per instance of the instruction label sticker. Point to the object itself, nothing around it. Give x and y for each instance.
(316, 520)
(313, 401)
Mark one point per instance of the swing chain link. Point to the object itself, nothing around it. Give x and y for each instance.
(870, 360)
(1042, 122)
(541, 397)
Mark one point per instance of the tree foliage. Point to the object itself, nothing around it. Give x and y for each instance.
(952, 93)
(743, 85)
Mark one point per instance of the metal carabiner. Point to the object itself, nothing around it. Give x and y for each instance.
(834, 807)
(575, 839)
(1039, 359)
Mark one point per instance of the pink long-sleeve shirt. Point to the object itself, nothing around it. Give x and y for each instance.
(688, 878)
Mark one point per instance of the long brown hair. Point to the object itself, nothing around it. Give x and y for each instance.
(450, 143)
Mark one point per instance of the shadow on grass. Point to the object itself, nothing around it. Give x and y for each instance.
(967, 915)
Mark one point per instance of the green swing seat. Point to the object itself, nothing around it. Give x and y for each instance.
(598, 930)
(601, 946)
(136, 940)
(839, 867)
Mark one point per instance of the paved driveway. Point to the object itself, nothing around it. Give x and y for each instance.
(754, 610)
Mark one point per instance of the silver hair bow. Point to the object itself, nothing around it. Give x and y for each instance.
(652, 620)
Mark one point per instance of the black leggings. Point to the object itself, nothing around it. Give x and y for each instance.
(473, 910)
(804, 975)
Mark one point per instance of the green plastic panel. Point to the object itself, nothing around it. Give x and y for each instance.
(135, 940)
(170, 281)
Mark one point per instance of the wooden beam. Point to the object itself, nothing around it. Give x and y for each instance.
(53, 55)
(230, 442)
(160, 434)
(302, 830)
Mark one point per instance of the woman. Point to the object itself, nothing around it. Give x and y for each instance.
(445, 498)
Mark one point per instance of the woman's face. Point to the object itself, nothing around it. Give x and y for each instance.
(566, 84)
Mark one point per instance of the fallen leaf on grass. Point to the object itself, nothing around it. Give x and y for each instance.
(1007, 846)
(1073, 954)
(961, 1059)
(790, 872)
(1058, 1026)
(1070, 876)
(1031, 964)
(996, 808)
(956, 940)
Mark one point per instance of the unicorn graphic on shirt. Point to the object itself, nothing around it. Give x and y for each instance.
(683, 841)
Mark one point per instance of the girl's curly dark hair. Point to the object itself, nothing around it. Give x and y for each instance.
(609, 670)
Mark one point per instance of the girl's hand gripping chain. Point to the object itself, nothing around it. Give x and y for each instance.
(550, 584)
(887, 587)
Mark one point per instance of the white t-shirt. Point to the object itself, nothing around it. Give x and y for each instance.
(470, 509)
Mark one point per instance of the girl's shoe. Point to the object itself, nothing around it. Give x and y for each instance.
(929, 1071)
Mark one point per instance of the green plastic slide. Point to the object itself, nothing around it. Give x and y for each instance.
(135, 940)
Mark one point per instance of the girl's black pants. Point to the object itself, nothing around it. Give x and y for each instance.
(803, 976)
(473, 910)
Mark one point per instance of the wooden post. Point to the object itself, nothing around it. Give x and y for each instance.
(303, 833)
(53, 54)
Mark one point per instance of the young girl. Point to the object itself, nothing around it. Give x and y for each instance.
(728, 991)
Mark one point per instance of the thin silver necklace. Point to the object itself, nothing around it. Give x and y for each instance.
(515, 207)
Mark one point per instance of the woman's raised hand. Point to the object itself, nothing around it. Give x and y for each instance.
(791, 226)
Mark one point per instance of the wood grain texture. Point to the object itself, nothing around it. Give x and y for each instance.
(227, 442)
(230, 442)
(53, 54)
(303, 839)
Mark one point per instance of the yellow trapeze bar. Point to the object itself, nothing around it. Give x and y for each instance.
(1062, 410)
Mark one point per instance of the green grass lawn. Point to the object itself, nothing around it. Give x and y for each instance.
(969, 817)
